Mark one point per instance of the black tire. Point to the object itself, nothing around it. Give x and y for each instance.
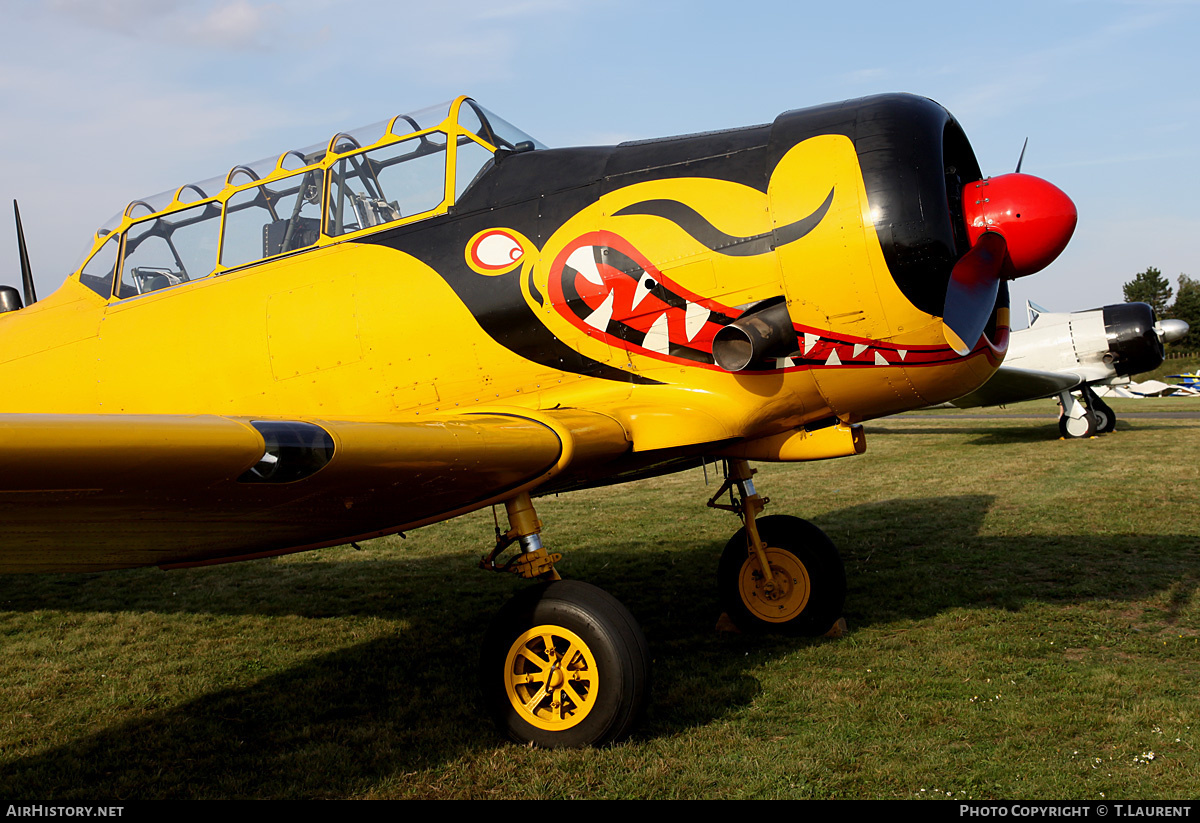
(1106, 420)
(806, 565)
(600, 666)
(1081, 427)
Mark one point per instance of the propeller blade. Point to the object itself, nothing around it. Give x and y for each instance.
(26, 272)
(1021, 159)
(971, 295)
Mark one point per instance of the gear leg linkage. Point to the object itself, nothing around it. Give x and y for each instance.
(525, 528)
(738, 475)
(1074, 408)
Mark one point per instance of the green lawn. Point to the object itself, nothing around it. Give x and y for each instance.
(1048, 407)
(1023, 613)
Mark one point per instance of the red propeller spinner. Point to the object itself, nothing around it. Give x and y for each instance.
(1018, 224)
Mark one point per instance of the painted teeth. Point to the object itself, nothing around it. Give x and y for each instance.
(583, 260)
(643, 288)
(600, 318)
(696, 317)
(657, 339)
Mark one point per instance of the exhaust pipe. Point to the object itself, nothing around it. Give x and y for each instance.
(763, 331)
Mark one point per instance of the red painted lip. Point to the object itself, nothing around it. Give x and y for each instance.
(610, 290)
(606, 288)
(994, 350)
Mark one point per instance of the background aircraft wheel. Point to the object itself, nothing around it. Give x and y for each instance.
(1106, 420)
(808, 572)
(1077, 427)
(565, 665)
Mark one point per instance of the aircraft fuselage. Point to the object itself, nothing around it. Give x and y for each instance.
(597, 278)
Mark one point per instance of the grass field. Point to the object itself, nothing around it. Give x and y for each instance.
(1023, 613)
(1182, 365)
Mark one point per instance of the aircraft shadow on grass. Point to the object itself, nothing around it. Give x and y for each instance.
(353, 717)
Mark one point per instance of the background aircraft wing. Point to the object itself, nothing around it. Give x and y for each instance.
(1012, 385)
(91, 492)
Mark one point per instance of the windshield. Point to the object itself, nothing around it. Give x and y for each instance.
(410, 167)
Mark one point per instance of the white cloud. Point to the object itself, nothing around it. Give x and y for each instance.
(238, 25)
(228, 25)
(873, 76)
(125, 16)
(1064, 69)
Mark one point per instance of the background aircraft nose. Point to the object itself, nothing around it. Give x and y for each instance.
(1018, 224)
(1171, 330)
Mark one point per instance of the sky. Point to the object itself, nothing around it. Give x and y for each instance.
(106, 101)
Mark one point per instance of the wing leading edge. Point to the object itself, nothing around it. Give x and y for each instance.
(1012, 385)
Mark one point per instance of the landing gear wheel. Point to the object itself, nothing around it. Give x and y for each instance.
(564, 665)
(1106, 420)
(810, 581)
(1075, 427)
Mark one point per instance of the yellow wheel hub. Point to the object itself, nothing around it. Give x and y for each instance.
(551, 678)
(791, 592)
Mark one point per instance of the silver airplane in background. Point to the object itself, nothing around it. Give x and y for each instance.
(1066, 354)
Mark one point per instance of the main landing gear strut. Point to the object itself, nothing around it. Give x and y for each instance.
(564, 664)
(780, 573)
(1084, 414)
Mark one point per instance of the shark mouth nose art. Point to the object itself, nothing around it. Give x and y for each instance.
(605, 287)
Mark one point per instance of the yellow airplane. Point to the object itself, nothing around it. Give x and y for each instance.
(437, 314)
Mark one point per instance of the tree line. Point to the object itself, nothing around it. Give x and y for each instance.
(1150, 286)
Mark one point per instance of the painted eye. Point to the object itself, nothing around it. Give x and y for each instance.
(496, 249)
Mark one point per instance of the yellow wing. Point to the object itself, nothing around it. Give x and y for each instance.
(93, 492)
